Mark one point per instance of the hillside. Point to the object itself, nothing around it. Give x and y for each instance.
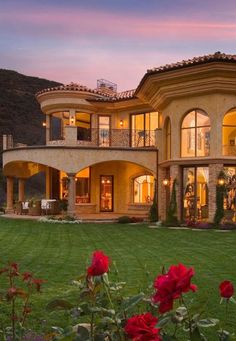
(20, 113)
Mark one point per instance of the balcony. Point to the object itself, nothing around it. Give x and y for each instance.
(105, 138)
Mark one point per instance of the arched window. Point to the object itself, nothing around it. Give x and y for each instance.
(143, 189)
(167, 139)
(229, 133)
(195, 134)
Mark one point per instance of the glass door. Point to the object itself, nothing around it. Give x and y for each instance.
(106, 193)
(195, 193)
(104, 131)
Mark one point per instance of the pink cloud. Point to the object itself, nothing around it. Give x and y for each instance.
(69, 24)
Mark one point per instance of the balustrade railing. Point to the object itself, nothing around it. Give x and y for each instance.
(123, 138)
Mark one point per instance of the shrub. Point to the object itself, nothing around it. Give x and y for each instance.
(124, 220)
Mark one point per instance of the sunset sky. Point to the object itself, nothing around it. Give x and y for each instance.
(82, 41)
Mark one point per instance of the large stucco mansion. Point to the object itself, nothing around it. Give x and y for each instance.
(105, 150)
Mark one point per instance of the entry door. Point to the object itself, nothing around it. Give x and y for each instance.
(106, 193)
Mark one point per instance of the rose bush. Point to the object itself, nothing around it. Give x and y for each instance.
(162, 313)
(102, 312)
(21, 285)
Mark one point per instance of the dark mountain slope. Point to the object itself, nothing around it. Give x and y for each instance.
(20, 113)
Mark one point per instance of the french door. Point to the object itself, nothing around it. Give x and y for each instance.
(106, 193)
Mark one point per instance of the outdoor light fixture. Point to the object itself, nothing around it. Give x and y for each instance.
(72, 120)
(121, 123)
(166, 182)
(221, 181)
(44, 124)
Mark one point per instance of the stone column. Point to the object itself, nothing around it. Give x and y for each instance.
(21, 189)
(48, 189)
(214, 170)
(10, 182)
(71, 194)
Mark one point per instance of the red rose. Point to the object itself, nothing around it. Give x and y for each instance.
(100, 264)
(226, 289)
(172, 285)
(142, 328)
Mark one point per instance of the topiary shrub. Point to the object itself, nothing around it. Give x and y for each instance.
(171, 218)
(153, 215)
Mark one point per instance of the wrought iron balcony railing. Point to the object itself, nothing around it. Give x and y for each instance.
(120, 138)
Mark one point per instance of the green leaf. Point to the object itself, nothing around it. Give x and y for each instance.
(162, 322)
(208, 322)
(59, 304)
(132, 301)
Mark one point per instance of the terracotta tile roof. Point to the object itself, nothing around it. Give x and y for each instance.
(78, 87)
(72, 87)
(216, 57)
(128, 94)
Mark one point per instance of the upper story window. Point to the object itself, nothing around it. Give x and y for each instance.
(195, 134)
(83, 124)
(229, 133)
(143, 129)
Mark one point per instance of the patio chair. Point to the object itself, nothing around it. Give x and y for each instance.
(35, 208)
(22, 207)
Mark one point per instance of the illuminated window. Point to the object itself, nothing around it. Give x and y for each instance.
(143, 189)
(143, 129)
(83, 123)
(229, 133)
(195, 134)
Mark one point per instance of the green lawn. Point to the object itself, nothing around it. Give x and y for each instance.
(59, 253)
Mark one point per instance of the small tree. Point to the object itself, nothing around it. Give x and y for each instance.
(171, 218)
(220, 194)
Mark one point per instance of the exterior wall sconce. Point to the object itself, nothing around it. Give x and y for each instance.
(44, 124)
(166, 182)
(221, 181)
(72, 121)
(121, 123)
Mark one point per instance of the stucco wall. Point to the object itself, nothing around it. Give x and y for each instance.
(72, 160)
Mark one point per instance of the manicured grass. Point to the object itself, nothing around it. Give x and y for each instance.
(59, 253)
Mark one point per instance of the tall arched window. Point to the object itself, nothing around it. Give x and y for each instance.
(167, 139)
(143, 187)
(229, 133)
(195, 134)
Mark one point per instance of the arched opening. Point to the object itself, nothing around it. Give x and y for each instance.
(195, 134)
(143, 189)
(229, 133)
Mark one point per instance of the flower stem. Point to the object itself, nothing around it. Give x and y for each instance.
(107, 289)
